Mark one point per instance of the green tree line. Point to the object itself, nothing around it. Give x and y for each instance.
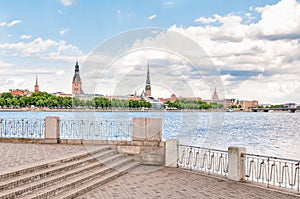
(272, 106)
(191, 104)
(43, 99)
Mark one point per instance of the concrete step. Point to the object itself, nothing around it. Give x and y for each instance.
(45, 173)
(63, 175)
(81, 180)
(48, 164)
(96, 182)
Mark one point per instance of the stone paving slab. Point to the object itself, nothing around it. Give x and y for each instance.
(172, 183)
(18, 155)
(143, 182)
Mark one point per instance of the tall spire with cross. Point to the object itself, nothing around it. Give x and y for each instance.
(36, 86)
(148, 83)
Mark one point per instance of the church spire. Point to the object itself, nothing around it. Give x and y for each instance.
(148, 83)
(148, 74)
(215, 96)
(76, 83)
(36, 86)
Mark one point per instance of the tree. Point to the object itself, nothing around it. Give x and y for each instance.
(22, 101)
(7, 95)
(8, 102)
(40, 103)
(2, 102)
(67, 102)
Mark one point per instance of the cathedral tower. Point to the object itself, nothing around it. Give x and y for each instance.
(148, 83)
(36, 86)
(215, 96)
(76, 83)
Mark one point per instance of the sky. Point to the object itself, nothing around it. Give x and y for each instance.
(248, 50)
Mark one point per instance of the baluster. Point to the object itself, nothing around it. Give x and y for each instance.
(189, 157)
(297, 176)
(291, 175)
(261, 171)
(196, 159)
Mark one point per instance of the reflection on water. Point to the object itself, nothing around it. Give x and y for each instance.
(275, 134)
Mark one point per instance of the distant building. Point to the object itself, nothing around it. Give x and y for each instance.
(245, 105)
(19, 92)
(134, 97)
(76, 83)
(290, 105)
(173, 98)
(215, 96)
(254, 103)
(36, 86)
(148, 84)
(230, 102)
(62, 94)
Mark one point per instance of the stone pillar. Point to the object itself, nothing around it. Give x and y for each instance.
(147, 129)
(52, 133)
(147, 135)
(236, 167)
(172, 152)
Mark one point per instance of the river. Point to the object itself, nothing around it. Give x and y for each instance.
(273, 134)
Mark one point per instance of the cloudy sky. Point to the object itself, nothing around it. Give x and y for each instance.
(247, 49)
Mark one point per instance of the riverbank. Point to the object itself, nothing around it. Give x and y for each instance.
(115, 110)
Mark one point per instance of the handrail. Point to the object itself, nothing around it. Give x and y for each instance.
(203, 159)
(272, 171)
(22, 128)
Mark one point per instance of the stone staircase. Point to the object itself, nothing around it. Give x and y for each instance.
(67, 177)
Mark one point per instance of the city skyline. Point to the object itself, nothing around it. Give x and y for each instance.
(254, 45)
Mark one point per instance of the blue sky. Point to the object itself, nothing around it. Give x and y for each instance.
(254, 46)
(100, 20)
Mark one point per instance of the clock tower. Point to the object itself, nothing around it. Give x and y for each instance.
(76, 83)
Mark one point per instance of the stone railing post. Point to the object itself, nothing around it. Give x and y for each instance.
(147, 129)
(172, 153)
(236, 167)
(147, 141)
(52, 134)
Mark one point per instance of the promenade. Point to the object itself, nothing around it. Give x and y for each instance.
(142, 182)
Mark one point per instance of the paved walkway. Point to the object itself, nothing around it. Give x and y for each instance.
(17, 155)
(168, 183)
(143, 182)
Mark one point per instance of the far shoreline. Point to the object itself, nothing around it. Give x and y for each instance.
(106, 110)
(126, 110)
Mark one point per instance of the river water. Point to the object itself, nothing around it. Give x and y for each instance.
(273, 134)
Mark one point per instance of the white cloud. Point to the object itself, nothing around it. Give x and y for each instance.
(25, 36)
(45, 49)
(5, 65)
(13, 23)
(60, 72)
(257, 60)
(269, 50)
(63, 31)
(280, 19)
(151, 17)
(67, 2)
(10, 24)
(206, 20)
(169, 3)
(3, 23)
